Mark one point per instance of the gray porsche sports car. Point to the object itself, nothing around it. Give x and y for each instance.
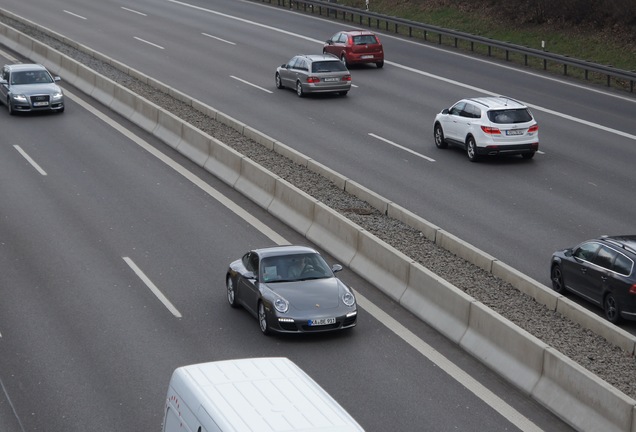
(291, 289)
(30, 87)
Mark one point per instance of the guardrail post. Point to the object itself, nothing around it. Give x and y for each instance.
(456, 41)
(440, 38)
(565, 69)
(525, 59)
(472, 46)
(489, 50)
(545, 64)
(507, 57)
(608, 80)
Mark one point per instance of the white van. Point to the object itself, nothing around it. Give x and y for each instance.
(251, 395)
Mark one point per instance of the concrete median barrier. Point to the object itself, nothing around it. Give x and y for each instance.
(334, 233)
(293, 206)
(256, 183)
(436, 302)
(464, 250)
(146, 114)
(169, 128)
(224, 162)
(504, 347)
(583, 400)
(382, 265)
(194, 144)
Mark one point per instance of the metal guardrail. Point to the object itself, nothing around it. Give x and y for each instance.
(429, 32)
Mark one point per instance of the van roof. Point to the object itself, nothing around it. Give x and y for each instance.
(261, 395)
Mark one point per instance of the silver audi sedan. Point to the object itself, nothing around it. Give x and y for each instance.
(318, 73)
(30, 87)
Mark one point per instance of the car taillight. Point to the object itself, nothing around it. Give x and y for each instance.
(632, 289)
(491, 130)
(533, 129)
(313, 79)
(346, 78)
(350, 41)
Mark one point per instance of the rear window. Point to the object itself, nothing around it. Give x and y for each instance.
(364, 40)
(520, 115)
(328, 66)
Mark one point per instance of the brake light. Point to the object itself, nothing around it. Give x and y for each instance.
(533, 128)
(346, 78)
(350, 41)
(313, 79)
(632, 289)
(491, 130)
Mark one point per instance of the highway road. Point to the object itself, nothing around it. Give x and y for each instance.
(113, 250)
(225, 52)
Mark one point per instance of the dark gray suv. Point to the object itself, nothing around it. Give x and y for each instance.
(601, 271)
(30, 87)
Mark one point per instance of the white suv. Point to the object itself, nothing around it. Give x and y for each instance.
(488, 126)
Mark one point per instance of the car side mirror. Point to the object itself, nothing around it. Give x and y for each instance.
(445, 111)
(568, 252)
(336, 268)
(249, 275)
(57, 78)
(329, 42)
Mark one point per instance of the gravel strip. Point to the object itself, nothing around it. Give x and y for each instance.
(591, 351)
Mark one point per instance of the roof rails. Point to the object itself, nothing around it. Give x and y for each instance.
(618, 244)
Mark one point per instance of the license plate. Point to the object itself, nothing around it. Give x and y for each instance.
(514, 132)
(40, 103)
(330, 79)
(322, 321)
(366, 56)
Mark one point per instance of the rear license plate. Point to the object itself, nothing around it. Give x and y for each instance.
(40, 103)
(366, 56)
(330, 79)
(322, 321)
(514, 132)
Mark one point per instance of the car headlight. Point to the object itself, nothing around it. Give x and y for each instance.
(281, 304)
(19, 97)
(57, 96)
(348, 299)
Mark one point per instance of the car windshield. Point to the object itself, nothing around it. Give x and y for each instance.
(31, 77)
(297, 267)
(328, 66)
(520, 115)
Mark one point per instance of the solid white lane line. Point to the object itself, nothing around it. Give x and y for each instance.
(249, 83)
(156, 291)
(149, 43)
(401, 147)
(498, 404)
(31, 161)
(456, 373)
(134, 11)
(218, 38)
(74, 14)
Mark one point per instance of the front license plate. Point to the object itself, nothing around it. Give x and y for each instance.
(40, 103)
(330, 79)
(514, 132)
(322, 321)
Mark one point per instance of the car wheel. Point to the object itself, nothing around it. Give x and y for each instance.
(471, 149)
(262, 318)
(299, 89)
(279, 82)
(528, 155)
(10, 107)
(231, 292)
(344, 93)
(61, 110)
(557, 279)
(438, 134)
(380, 64)
(343, 59)
(612, 311)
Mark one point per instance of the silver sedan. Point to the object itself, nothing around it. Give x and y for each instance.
(30, 87)
(319, 73)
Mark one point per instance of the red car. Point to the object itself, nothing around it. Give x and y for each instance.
(355, 47)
